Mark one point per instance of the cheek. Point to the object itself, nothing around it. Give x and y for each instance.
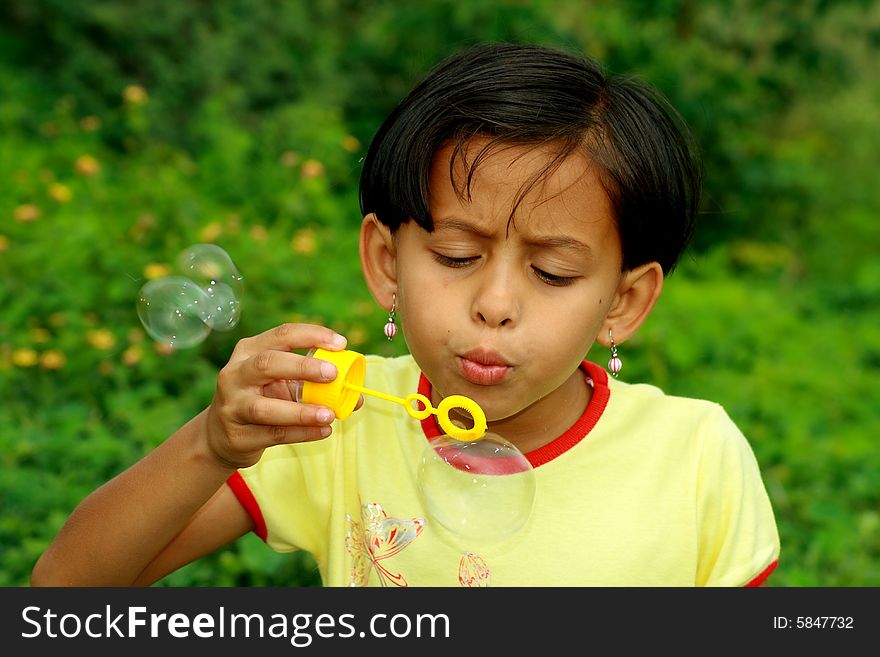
(421, 314)
(422, 296)
(572, 332)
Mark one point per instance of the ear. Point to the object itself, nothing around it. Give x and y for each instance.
(636, 295)
(378, 259)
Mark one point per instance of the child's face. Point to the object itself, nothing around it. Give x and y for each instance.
(504, 312)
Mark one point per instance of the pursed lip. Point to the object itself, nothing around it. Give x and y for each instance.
(484, 367)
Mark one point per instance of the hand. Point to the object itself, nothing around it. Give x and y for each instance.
(253, 408)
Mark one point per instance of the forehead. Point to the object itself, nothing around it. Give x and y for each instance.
(529, 187)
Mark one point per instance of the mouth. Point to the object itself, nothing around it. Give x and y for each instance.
(483, 367)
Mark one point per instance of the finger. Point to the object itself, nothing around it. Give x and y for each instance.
(285, 390)
(278, 413)
(269, 365)
(282, 435)
(287, 337)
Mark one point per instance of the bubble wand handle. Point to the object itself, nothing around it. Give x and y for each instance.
(342, 393)
(375, 393)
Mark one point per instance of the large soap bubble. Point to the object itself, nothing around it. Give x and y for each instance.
(180, 311)
(480, 490)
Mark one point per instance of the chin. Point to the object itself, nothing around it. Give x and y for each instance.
(497, 409)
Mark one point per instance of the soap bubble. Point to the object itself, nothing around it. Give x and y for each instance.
(479, 490)
(211, 268)
(180, 311)
(172, 310)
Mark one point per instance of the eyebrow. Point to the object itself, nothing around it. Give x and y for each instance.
(550, 241)
(453, 223)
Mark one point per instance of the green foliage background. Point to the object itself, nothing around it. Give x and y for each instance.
(129, 130)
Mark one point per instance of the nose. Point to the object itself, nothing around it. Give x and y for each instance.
(496, 303)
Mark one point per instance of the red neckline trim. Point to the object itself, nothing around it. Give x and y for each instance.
(558, 446)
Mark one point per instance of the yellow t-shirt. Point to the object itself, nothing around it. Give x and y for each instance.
(645, 489)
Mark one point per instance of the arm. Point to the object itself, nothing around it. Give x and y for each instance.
(173, 506)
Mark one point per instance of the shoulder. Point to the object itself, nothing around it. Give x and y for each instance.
(683, 425)
(644, 403)
(721, 456)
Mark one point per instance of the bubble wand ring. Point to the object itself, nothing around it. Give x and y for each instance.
(341, 395)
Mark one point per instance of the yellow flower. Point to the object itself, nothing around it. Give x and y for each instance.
(4, 243)
(304, 242)
(132, 355)
(156, 270)
(233, 224)
(60, 192)
(24, 357)
(364, 308)
(259, 233)
(53, 360)
(134, 94)
(357, 335)
(311, 169)
(101, 339)
(57, 319)
(163, 348)
(143, 224)
(211, 232)
(39, 335)
(351, 143)
(90, 123)
(289, 159)
(26, 212)
(86, 165)
(135, 336)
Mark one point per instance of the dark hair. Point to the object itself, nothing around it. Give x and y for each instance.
(527, 94)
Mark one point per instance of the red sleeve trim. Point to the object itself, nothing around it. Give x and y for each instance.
(577, 432)
(249, 502)
(760, 579)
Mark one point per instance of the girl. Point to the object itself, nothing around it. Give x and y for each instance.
(518, 206)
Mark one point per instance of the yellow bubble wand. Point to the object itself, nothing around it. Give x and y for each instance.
(341, 395)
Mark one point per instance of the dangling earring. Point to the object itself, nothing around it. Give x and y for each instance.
(614, 364)
(391, 327)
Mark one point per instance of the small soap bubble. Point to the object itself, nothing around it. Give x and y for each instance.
(481, 490)
(207, 264)
(181, 311)
(172, 310)
(211, 268)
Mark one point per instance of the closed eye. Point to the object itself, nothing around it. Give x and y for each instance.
(455, 263)
(553, 279)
